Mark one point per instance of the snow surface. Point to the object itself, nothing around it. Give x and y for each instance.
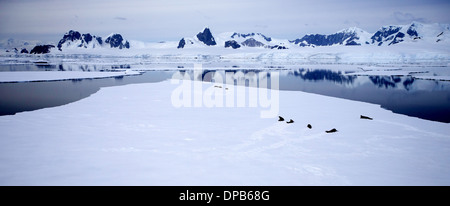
(363, 36)
(6, 77)
(132, 135)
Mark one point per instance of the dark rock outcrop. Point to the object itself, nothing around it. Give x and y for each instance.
(412, 31)
(398, 38)
(87, 38)
(233, 44)
(116, 41)
(99, 40)
(181, 44)
(24, 51)
(252, 43)
(385, 34)
(41, 49)
(277, 47)
(69, 36)
(343, 38)
(250, 35)
(206, 37)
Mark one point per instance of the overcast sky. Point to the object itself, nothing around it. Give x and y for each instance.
(153, 21)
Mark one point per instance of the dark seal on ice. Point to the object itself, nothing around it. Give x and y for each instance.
(331, 131)
(365, 117)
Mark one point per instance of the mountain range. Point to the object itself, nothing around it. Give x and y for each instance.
(385, 36)
(74, 39)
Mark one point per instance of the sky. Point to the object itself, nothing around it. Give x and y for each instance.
(170, 20)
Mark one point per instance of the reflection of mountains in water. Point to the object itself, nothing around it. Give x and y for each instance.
(63, 67)
(337, 77)
(315, 75)
(392, 81)
(210, 75)
(92, 68)
(322, 74)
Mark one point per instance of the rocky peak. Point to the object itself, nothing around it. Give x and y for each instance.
(385, 34)
(77, 39)
(69, 36)
(251, 42)
(117, 41)
(206, 37)
(181, 44)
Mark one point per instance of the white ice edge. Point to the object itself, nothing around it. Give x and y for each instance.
(33, 76)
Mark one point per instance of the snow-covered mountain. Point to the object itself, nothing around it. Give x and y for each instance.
(13, 43)
(414, 32)
(248, 40)
(386, 35)
(232, 40)
(74, 39)
(116, 41)
(347, 37)
(203, 38)
(206, 37)
(257, 40)
(19, 46)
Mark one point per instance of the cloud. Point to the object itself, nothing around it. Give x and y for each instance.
(401, 17)
(263, 26)
(351, 23)
(120, 18)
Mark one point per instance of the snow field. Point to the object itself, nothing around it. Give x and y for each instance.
(133, 135)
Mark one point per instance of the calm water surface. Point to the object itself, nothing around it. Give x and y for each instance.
(426, 99)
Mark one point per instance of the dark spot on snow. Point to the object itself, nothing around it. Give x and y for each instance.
(331, 131)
